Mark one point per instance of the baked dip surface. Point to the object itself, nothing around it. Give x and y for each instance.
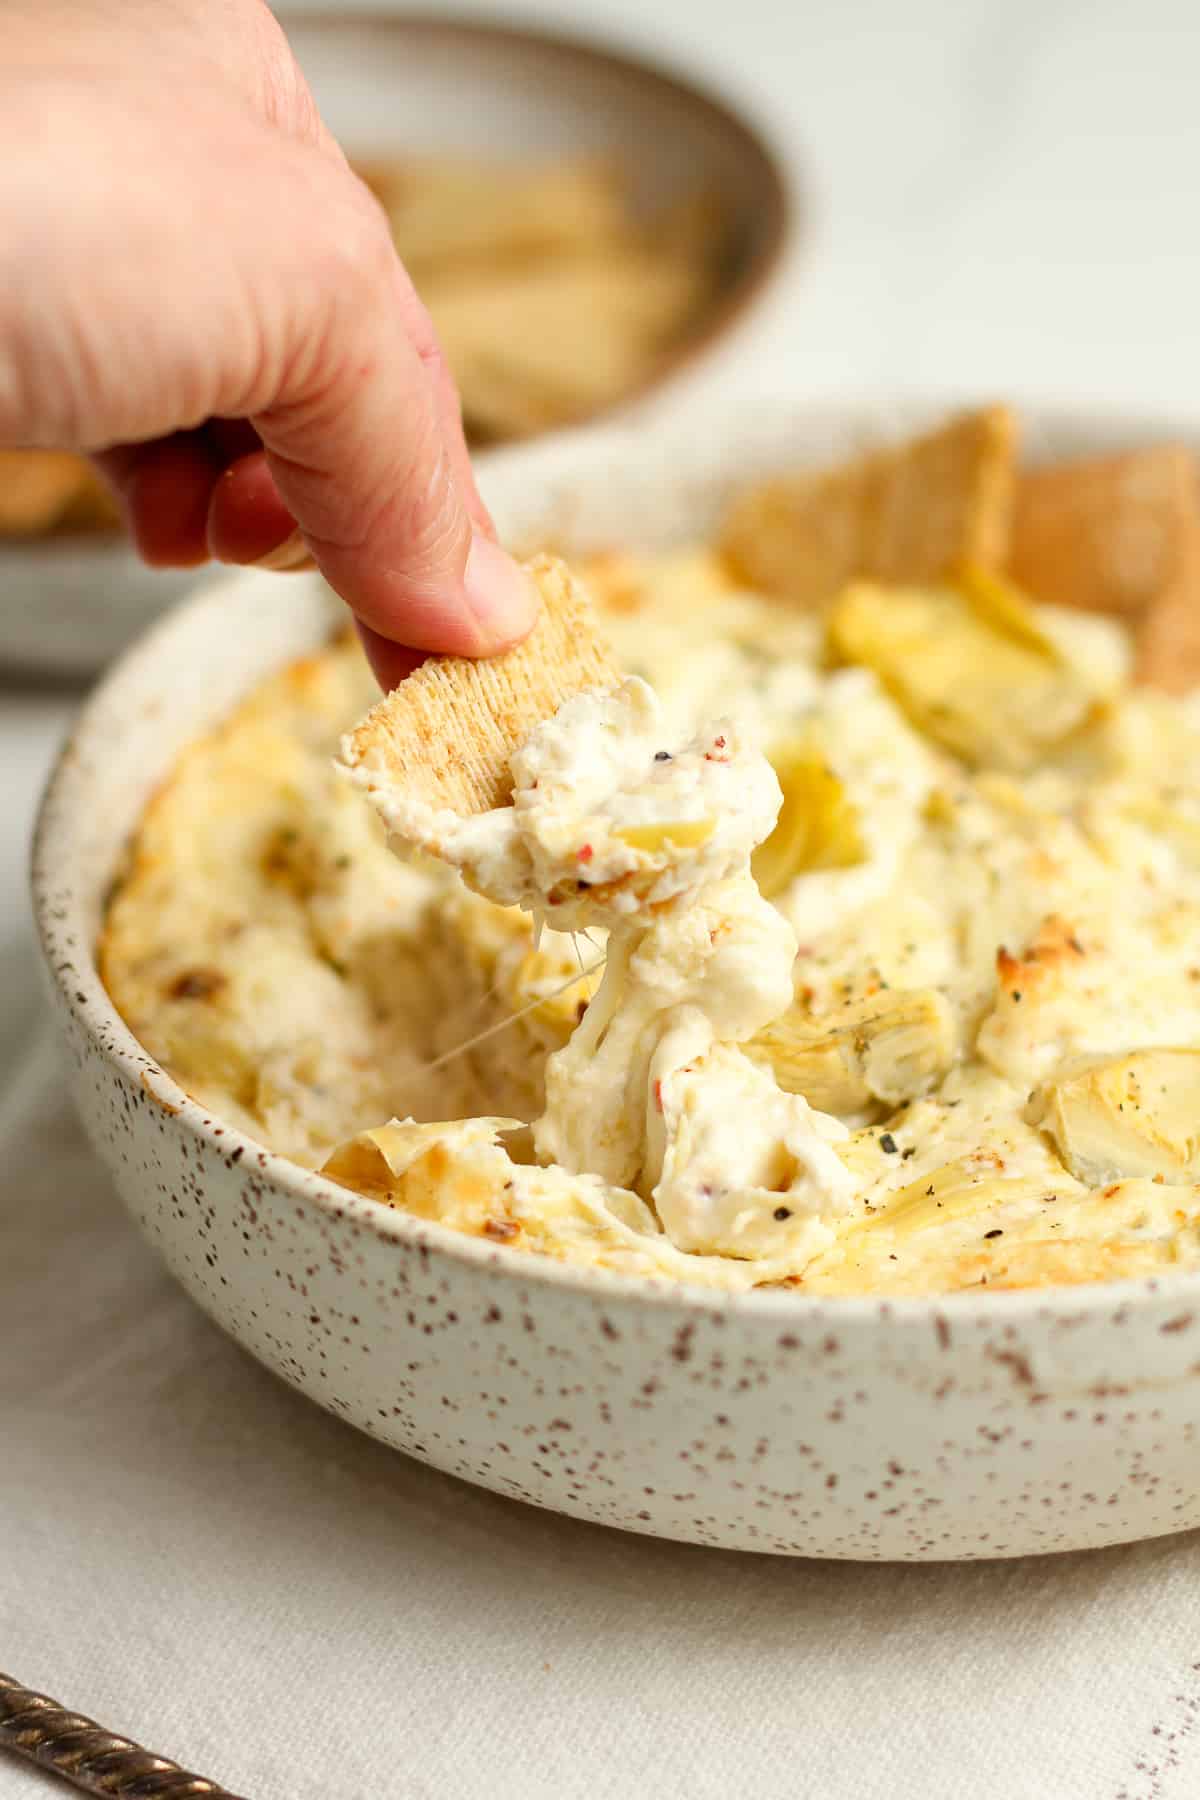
(907, 995)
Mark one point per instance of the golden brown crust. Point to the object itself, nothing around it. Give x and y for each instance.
(446, 734)
(909, 514)
(1055, 945)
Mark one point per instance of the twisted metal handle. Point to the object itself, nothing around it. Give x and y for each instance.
(93, 1759)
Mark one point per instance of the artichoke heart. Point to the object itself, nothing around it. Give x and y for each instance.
(888, 1048)
(674, 834)
(550, 1002)
(1136, 1115)
(968, 665)
(817, 827)
(969, 1186)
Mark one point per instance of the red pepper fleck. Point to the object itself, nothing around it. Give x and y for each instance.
(658, 1099)
(584, 853)
(719, 743)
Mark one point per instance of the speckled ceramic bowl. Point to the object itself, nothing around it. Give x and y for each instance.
(968, 1427)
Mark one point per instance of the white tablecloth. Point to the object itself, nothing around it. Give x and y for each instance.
(203, 1560)
(1003, 199)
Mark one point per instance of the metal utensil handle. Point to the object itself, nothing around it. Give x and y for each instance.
(83, 1753)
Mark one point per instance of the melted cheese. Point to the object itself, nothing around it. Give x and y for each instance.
(608, 828)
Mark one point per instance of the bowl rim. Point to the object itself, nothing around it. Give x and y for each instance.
(784, 207)
(70, 958)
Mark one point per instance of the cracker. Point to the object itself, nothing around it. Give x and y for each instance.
(912, 513)
(1120, 534)
(553, 291)
(447, 210)
(1168, 638)
(44, 491)
(1109, 533)
(36, 488)
(92, 507)
(536, 346)
(446, 734)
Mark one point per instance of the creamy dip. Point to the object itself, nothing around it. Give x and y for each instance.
(617, 825)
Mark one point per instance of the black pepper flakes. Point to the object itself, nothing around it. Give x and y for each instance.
(887, 1142)
(782, 1212)
(998, 1232)
(662, 756)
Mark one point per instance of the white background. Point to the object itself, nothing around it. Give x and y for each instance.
(999, 199)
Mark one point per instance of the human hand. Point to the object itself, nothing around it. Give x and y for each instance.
(196, 290)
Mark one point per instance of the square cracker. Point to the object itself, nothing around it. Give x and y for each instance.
(1168, 637)
(489, 214)
(446, 734)
(912, 513)
(36, 489)
(1120, 534)
(1109, 533)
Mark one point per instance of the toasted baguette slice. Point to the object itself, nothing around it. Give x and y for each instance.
(446, 734)
(913, 513)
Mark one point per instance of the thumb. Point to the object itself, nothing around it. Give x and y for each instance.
(364, 442)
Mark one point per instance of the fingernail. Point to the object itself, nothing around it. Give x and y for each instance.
(499, 594)
(291, 555)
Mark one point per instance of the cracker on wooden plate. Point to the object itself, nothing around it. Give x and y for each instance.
(446, 734)
(912, 513)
